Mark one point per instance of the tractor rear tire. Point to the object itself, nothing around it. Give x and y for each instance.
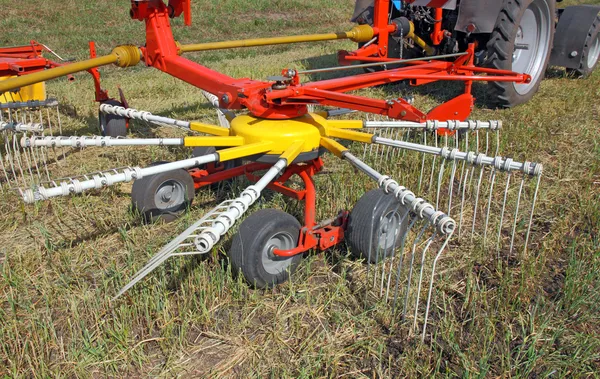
(251, 249)
(591, 53)
(522, 41)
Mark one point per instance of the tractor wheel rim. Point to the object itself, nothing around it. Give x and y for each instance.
(272, 263)
(388, 230)
(169, 194)
(532, 44)
(594, 52)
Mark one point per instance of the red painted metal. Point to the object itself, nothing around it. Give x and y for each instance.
(261, 100)
(101, 94)
(23, 60)
(437, 36)
(312, 236)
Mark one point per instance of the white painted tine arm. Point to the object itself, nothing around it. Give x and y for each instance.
(205, 233)
(433, 125)
(101, 180)
(500, 163)
(97, 141)
(419, 206)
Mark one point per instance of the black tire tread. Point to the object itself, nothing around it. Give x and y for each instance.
(500, 46)
(583, 71)
(246, 247)
(359, 235)
(143, 190)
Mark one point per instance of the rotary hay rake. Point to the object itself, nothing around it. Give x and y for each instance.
(476, 194)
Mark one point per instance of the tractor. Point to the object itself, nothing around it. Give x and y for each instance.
(515, 35)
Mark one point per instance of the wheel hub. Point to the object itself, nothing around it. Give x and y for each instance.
(272, 263)
(170, 193)
(532, 44)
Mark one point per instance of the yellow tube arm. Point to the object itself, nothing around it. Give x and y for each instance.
(209, 129)
(292, 151)
(123, 56)
(345, 124)
(333, 146)
(244, 151)
(350, 135)
(360, 33)
(213, 141)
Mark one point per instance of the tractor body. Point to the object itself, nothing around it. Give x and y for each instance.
(523, 37)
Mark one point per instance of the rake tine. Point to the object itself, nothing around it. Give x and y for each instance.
(489, 205)
(437, 257)
(502, 213)
(422, 163)
(224, 217)
(462, 204)
(432, 165)
(451, 187)
(429, 242)
(10, 156)
(393, 251)
(401, 258)
(514, 228)
(401, 263)
(481, 169)
(410, 270)
(18, 157)
(537, 187)
(369, 253)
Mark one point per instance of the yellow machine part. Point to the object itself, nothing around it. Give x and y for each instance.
(33, 92)
(282, 133)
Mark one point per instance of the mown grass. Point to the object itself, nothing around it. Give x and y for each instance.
(62, 261)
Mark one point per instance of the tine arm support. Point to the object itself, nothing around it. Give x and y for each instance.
(206, 232)
(499, 163)
(82, 142)
(433, 125)
(105, 179)
(442, 222)
(134, 114)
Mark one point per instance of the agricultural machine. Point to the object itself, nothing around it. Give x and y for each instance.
(274, 130)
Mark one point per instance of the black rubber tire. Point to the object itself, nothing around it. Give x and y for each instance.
(112, 125)
(584, 70)
(144, 190)
(364, 225)
(249, 243)
(501, 46)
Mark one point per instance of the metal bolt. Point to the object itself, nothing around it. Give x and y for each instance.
(403, 113)
(225, 99)
(573, 54)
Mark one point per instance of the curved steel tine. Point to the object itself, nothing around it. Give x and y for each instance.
(411, 269)
(432, 165)
(535, 194)
(400, 265)
(514, 228)
(429, 242)
(427, 308)
(462, 203)
(401, 252)
(502, 213)
(422, 163)
(481, 169)
(489, 205)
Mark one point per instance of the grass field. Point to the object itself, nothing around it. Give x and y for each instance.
(62, 261)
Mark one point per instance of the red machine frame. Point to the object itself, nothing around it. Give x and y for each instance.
(264, 100)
